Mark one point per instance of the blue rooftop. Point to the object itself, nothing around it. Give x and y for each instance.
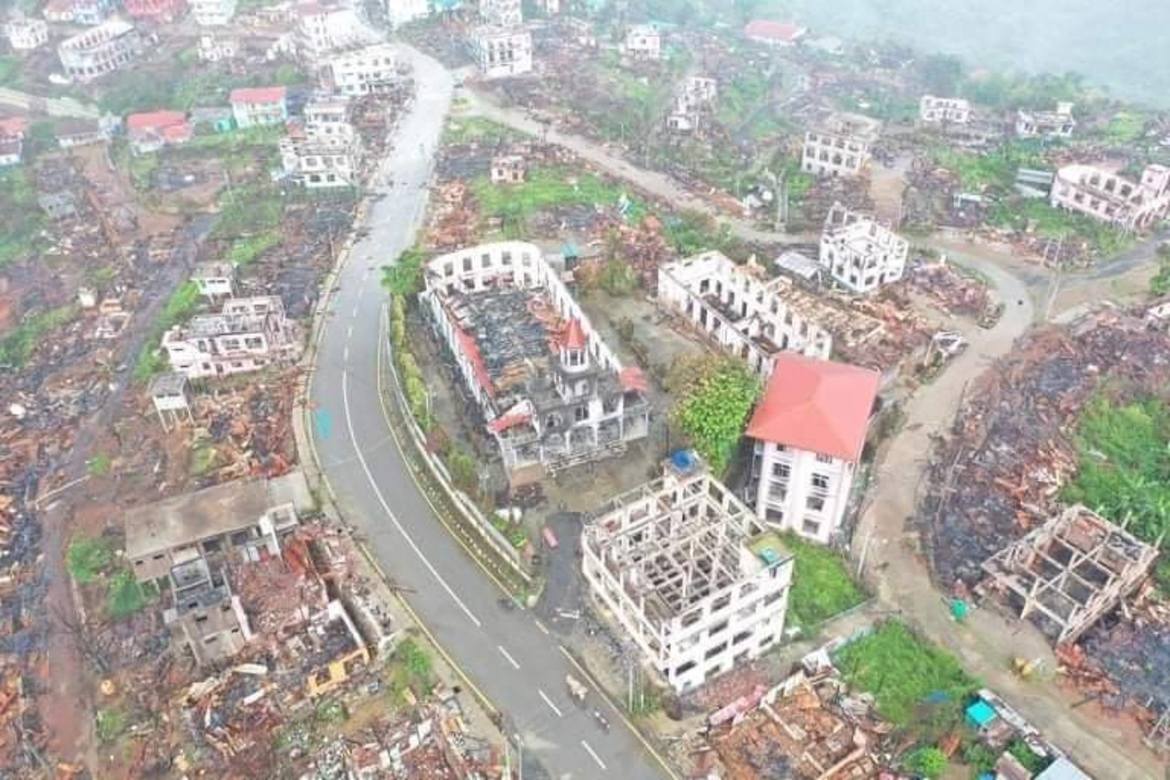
(980, 714)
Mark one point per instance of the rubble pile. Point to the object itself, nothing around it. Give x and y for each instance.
(950, 291)
(1011, 450)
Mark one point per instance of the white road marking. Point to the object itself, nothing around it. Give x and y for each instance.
(550, 704)
(511, 660)
(345, 354)
(386, 507)
(349, 333)
(595, 757)
(540, 625)
(355, 311)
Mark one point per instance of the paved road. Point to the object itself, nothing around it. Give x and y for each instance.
(507, 654)
(64, 106)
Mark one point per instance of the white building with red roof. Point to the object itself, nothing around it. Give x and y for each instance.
(257, 106)
(809, 430)
(151, 131)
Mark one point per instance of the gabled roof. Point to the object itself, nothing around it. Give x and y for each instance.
(13, 127)
(155, 120)
(257, 95)
(816, 405)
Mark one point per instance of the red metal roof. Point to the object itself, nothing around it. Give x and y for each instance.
(816, 405)
(257, 95)
(574, 335)
(781, 32)
(13, 127)
(632, 378)
(155, 120)
(471, 351)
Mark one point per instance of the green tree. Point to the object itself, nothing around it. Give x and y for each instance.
(405, 277)
(928, 762)
(712, 414)
(1160, 283)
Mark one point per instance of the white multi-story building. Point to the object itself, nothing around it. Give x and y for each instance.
(213, 13)
(688, 573)
(326, 151)
(364, 71)
(552, 393)
(501, 52)
(697, 95)
(1046, 124)
(860, 253)
(324, 29)
(808, 432)
(1113, 198)
(259, 106)
(247, 335)
(841, 147)
(501, 13)
(26, 34)
(215, 280)
(643, 42)
(746, 315)
(937, 110)
(101, 50)
(400, 12)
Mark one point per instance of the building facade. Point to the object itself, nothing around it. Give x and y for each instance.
(326, 150)
(808, 432)
(550, 391)
(325, 29)
(247, 335)
(26, 34)
(1112, 198)
(259, 106)
(841, 147)
(1046, 124)
(365, 71)
(688, 573)
(213, 13)
(151, 131)
(859, 253)
(216, 280)
(746, 315)
(501, 13)
(104, 49)
(156, 11)
(501, 52)
(643, 42)
(937, 110)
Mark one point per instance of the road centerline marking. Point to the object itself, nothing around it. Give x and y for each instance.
(386, 507)
(550, 704)
(511, 660)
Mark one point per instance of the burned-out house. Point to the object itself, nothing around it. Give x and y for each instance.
(551, 392)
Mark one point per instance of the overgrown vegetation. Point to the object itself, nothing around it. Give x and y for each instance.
(405, 277)
(19, 343)
(995, 169)
(477, 129)
(125, 596)
(21, 219)
(1160, 283)
(821, 585)
(88, 557)
(110, 723)
(409, 374)
(410, 669)
(247, 211)
(927, 762)
(246, 250)
(1124, 465)
(179, 308)
(1051, 222)
(716, 395)
(910, 679)
(542, 188)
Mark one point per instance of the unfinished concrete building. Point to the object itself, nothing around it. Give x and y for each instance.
(101, 50)
(501, 52)
(325, 149)
(860, 253)
(692, 103)
(247, 335)
(643, 42)
(369, 70)
(687, 572)
(1049, 125)
(551, 392)
(938, 110)
(206, 616)
(508, 169)
(215, 279)
(1069, 572)
(169, 394)
(1110, 197)
(840, 147)
(242, 520)
(501, 13)
(26, 34)
(746, 314)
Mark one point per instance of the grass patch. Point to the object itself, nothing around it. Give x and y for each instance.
(909, 678)
(821, 585)
(9, 70)
(245, 250)
(203, 459)
(996, 170)
(99, 465)
(1124, 466)
(544, 188)
(1051, 222)
(1125, 127)
(247, 211)
(87, 558)
(19, 344)
(410, 669)
(125, 596)
(476, 129)
(110, 723)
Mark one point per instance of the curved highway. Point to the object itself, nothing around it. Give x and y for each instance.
(507, 655)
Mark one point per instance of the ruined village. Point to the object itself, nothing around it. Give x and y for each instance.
(571, 388)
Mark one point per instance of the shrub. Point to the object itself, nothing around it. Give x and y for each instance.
(929, 762)
(87, 558)
(713, 412)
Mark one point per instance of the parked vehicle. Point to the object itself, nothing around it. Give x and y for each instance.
(576, 689)
(550, 539)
